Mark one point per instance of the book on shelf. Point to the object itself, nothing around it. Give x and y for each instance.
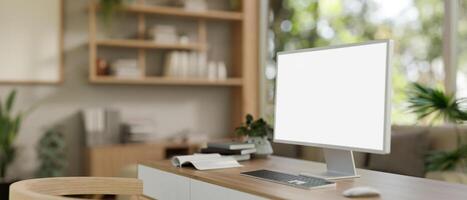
(228, 151)
(231, 145)
(102, 126)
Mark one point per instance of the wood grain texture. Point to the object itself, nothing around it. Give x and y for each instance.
(250, 31)
(92, 41)
(145, 44)
(391, 186)
(54, 188)
(180, 12)
(109, 161)
(168, 81)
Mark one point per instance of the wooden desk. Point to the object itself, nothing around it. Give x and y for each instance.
(226, 184)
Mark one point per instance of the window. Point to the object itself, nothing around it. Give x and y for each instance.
(415, 25)
(462, 38)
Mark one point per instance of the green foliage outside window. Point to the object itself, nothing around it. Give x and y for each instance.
(416, 29)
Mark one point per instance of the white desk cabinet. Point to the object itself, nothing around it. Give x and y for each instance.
(162, 185)
(162, 181)
(205, 191)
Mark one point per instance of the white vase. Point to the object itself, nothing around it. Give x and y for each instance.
(221, 71)
(262, 145)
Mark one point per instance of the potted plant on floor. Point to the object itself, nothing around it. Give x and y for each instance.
(257, 132)
(435, 105)
(9, 127)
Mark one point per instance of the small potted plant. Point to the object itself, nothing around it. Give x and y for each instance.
(51, 151)
(257, 132)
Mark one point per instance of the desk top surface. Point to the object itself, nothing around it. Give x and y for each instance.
(391, 186)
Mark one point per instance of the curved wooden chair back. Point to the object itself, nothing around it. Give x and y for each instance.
(56, 188)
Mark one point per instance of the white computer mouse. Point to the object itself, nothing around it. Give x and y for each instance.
(361, 192)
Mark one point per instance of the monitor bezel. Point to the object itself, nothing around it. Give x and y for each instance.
(387, 110)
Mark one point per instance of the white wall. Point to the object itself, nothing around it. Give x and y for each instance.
(174, 108)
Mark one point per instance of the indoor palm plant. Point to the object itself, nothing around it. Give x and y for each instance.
(435, 105)
(10, 124)
(257, 132)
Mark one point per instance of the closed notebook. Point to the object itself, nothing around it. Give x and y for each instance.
(231, 145)
(206, 161)
(228, 151)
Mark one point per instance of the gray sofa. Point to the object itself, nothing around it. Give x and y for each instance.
(409, 146)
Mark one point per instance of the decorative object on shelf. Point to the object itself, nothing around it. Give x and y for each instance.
(434, 105)
(183, 38)
(9, 128)
(257, 132)
(221, 71)
(103, 67)
(51, 151)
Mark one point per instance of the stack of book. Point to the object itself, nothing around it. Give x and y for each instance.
(126, 68)
(164, 34)
(139, 131)
(239, 151)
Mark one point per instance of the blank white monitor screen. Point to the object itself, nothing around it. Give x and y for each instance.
(335, 97)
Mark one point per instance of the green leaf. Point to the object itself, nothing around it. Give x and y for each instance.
(10, 101)
(249, 119)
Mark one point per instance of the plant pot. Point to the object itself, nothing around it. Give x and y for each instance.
(262, 145)
(5, 190)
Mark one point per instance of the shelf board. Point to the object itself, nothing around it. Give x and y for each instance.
(167, 81)
(180, 12)
(146, 44)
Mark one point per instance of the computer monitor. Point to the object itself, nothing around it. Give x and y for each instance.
(337, 98)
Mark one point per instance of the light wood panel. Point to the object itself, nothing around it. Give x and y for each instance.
(169, 81)
(110, 160)
(180, 12)
(54, 188)
(391, 186)
(145, 44)
(245, 45)
(92, 42)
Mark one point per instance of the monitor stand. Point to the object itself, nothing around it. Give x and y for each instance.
(339, 163)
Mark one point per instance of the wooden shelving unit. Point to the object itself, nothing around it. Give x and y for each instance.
(142, 44)
(161, 10)
(244, 50)
(169, 81)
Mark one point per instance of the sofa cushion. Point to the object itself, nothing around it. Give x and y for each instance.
(407, 157)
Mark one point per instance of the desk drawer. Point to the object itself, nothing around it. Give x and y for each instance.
(206, 191)
(161, 185)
